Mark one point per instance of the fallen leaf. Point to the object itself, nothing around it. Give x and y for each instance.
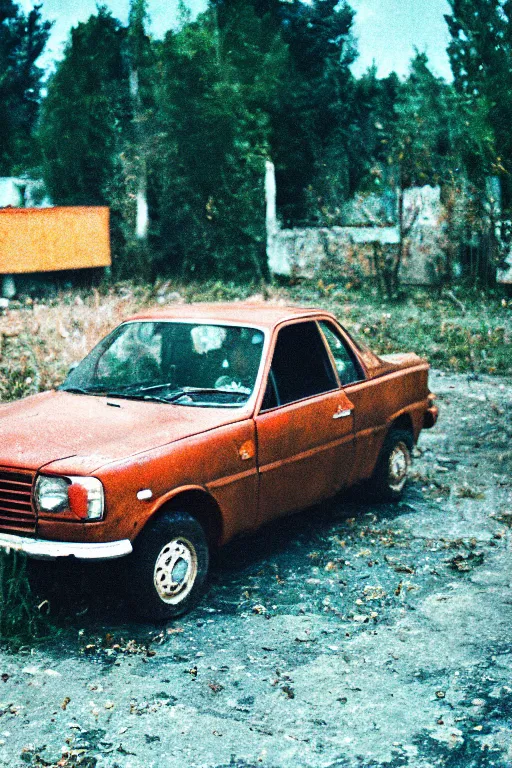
(464, 563)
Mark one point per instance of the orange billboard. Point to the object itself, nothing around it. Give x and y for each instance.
(51, 239)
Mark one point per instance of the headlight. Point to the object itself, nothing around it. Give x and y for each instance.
(82, 496)
(52, 494)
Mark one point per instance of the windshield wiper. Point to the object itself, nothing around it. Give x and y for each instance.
(152, 386)
(124, 392)
(142, 393)
(132, 390)
(121, 393)
(82, 390)
(184, 391)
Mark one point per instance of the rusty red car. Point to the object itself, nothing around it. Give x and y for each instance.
(188, 425)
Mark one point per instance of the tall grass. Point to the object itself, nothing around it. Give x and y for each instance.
(40, 339)
(21, 620)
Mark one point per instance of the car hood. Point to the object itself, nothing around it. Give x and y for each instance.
(52, 426)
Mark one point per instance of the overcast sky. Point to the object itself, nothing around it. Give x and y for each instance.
(387, 30)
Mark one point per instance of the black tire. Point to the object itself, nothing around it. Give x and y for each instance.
(158, 589)
(390, 475)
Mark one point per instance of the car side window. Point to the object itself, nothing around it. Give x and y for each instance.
(300, 366)
(347, 366)
(270, 397)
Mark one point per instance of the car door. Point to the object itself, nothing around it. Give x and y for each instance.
(369, 398)
(305, 427)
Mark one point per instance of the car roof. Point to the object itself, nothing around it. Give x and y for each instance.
(260, 314)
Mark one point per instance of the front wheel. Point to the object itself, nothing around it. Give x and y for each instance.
(168, 566)
(390, 475)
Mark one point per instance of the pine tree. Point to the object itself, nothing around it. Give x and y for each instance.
(311, 122)
(23, 38)
(425, 136)
(217, 83)
(310, 113)
(371, 128)
(86, 112)
(481, 59)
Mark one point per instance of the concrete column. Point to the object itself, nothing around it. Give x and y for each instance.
(270, 196)
(272, 223)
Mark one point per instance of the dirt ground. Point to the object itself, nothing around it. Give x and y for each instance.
(349, 635)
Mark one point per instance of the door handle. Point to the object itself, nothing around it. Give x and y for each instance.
(342, 413)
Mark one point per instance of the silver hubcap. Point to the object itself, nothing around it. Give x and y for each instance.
(175, 570)
(399, 463)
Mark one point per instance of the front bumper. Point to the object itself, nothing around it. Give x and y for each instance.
(50, 550)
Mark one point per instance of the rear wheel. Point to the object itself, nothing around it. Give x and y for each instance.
(390, 475)
(169, 566)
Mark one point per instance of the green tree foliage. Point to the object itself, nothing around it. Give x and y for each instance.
(182, 127)
(212, 103)
(22, 40)
(251, 46)
(85, 113)
(371, 129)
(412, 133)
(310, 113)
(407, 133)
(133, 182)
(425, 137)
(311, 120)
(481, 59)
(141, 56)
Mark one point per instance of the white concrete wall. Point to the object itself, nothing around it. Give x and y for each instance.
(308, 251)
(11, 192)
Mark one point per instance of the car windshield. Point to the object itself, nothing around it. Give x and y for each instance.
(183, 363)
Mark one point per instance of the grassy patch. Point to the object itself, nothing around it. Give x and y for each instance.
(477, 340)
(22, 621)
(40, 339)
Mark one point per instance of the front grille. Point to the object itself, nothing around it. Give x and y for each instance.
(16, 512)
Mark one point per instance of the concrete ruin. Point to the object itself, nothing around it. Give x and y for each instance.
(23, 193)
(310, 251)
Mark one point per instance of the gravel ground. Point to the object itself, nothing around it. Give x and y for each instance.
(349, 635)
